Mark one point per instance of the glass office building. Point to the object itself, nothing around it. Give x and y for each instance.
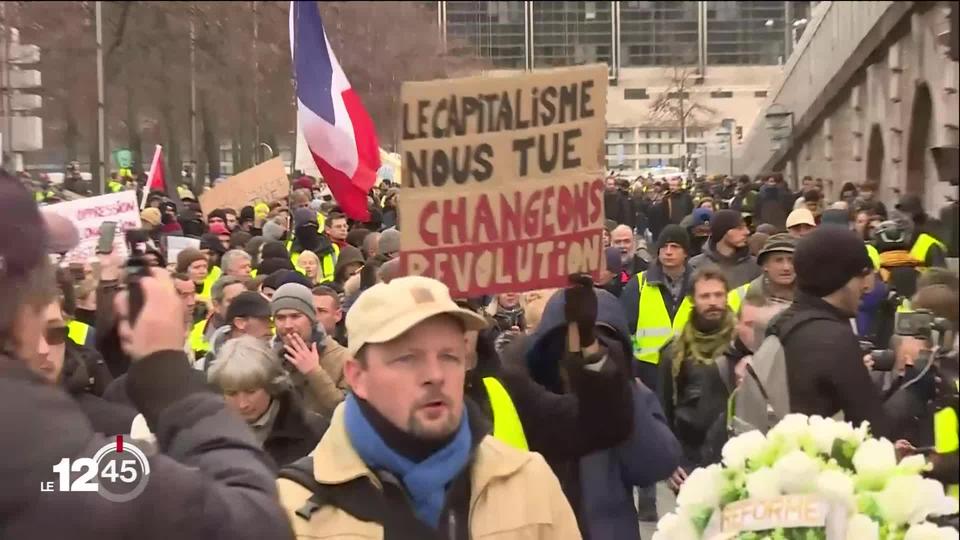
(518, 35)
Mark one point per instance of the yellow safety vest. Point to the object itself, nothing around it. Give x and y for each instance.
(946, 436)
(736, 296)
(506, 422)
(328, 264)
(654, 328)
(211, 278)
(114, 186)
(874, 256)
(196, 339)
(921, 247)
(80, 333)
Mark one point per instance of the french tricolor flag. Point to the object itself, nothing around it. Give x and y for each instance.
(336, 127)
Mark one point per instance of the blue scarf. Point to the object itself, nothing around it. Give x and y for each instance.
(426, 482)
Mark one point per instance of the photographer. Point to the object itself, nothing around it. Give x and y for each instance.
(939, 424)
(233, 496)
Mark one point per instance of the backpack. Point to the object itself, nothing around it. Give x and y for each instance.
(763, 398)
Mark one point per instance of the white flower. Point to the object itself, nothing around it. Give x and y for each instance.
(836, 486)
(911, 499)
(824, 431)
(702, 489)
(875, 460)
(790, 430)
(797, 471)
(929, 531)
(743, 448)
(763, 484)
(675, 527)
(861, 527)
(914, 464)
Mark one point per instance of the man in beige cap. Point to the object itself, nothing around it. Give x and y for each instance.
(404, 454)
(800, 223)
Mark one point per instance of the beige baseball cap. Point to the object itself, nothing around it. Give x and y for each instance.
(800, 216)
(387, 310)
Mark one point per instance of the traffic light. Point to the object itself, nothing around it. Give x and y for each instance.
(22, 132)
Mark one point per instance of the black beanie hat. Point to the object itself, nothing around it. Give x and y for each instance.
(269, 266)
(827, 258)
(247, 214)
(674, 234)
(274, 250)
(723, 221)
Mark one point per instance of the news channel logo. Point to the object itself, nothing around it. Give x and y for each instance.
(118, 471)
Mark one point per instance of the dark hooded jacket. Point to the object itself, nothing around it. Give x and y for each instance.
(295, 431)
(611, 411)
(740, 268)
(78, 381)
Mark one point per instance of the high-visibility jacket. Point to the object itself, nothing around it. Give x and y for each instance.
(41, 196)
(506, 422)
(874, 256)
(81, 333)
(212, 276)
(113, 186)
(196, 339)
(328, 264)
(736, 296)
(921, 248)
(654, 327)
(946, 436)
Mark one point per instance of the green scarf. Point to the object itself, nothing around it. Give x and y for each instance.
(700, 347)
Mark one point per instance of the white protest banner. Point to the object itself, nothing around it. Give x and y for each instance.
(88, 214)
(265, 182)
(176, 244)
(503, 183)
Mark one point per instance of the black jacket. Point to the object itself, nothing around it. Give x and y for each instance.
(210, 481)
(701, 402)
(825, 369)
(679, 204)
(618, 207)
(592, 411)
(295, 432)
(105, 417)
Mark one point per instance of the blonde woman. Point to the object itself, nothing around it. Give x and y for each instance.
(309, 264)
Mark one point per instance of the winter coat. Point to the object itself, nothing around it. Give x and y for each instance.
(604, 397)
(499, 480)
(105, 417)
(701, 400)
(619, 208)
(679, 204)
(608, 477)
(295, 431)
(773, 205)
(212, 481)
(323, 389)
(740, 268)
(825, 370)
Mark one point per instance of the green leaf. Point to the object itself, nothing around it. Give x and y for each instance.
(700, 519)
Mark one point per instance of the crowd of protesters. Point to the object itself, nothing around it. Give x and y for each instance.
(295, 383)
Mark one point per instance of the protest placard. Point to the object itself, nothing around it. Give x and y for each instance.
(262, 183)
(176, 244)
(503, 179)
(89, 213)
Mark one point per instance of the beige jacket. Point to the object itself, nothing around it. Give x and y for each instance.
(513, 494)
(324, 388)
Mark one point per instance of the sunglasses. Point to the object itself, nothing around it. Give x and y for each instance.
(56, 335)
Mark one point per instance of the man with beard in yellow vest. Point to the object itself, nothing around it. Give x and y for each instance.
(656, 302)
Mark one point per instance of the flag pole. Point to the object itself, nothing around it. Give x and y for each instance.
(153, 168)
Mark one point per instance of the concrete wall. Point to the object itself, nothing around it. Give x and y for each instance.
(883, 53)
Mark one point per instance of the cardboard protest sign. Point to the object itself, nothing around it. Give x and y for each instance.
(89, 213)
(264, 182)
(502, 179)
(176, 244)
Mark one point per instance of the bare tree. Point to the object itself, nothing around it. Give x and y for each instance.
(677, 105)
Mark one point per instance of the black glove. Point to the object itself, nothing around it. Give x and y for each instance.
(581, 307)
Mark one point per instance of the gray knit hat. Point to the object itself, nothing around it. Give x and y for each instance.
(389, 242)
(272, 230)
(296, 297)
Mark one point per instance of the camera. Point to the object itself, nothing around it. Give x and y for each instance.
(922, 324)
